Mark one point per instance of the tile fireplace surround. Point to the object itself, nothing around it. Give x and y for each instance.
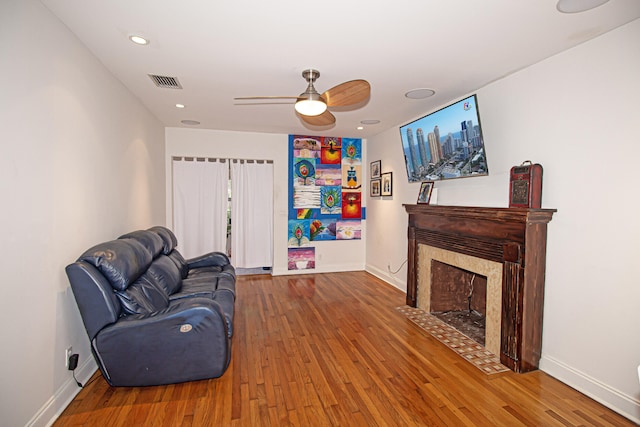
(508, 246)
(492, 270)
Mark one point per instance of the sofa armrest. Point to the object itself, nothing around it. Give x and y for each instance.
(186, 341)
(212, 259)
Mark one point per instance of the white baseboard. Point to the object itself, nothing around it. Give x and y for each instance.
(336, 268)
(387, 277)
(625, 405)
(52, 409)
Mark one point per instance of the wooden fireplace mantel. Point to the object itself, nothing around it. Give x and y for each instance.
(514, 237)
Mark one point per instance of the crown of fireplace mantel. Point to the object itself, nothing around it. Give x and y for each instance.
(514, 237)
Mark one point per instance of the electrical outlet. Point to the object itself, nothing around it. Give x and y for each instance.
(73, 362)
(67, 354)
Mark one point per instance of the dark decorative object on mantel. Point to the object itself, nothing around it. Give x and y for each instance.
(525, 186)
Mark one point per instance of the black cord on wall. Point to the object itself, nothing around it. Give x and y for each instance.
(401, 265)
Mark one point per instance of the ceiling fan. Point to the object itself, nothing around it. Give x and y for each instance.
(312, 106)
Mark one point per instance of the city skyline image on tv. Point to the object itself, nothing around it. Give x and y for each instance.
(445, 144)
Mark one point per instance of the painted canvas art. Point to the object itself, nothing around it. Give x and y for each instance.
(308, 143)
(323, 229)
(331, 151)
(306, 196)
(351, 205)
(351, 177)
(299, 233)
(301, 258)
(349, 230)
(328, 174)
(304, 171)
(351, 151)
(330, 200)
(307, 213)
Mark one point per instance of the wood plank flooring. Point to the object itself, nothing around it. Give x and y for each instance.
(332, 350)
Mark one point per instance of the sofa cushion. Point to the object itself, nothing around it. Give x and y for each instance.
(223, 270)
(121, 261)
(142, 297)
(150, 240)
(164, 273)
(169, 239)
(196, 288)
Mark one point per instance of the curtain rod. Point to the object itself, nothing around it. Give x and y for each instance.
(251, 161)
(211, 159)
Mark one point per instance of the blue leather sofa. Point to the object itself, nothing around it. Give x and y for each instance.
(151, 316)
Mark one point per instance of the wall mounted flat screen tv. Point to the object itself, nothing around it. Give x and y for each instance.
(445, 144)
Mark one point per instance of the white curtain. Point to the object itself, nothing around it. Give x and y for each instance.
(251, 214)
(200, 198)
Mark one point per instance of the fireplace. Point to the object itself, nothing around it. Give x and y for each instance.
(458, 297)
(507, 248)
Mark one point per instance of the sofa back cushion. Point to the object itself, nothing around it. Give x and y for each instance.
(165, 274)
(142, 297)
(121, 261)
(180, 262)
(150, 240)
(169, 239)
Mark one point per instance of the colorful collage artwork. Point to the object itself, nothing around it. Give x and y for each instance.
(325, 200)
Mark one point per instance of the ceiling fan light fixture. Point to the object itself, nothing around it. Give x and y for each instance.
(310, 104)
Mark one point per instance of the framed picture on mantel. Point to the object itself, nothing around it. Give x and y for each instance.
(425, 192)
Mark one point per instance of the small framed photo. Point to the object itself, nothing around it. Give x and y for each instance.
(375, 169)
(425, 192)
(374, 190)
(387, 184)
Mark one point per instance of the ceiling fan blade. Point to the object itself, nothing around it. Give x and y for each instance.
(348, 93)
(241, 98)
(263, 102)
(323, 119)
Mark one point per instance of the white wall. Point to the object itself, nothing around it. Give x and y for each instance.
(81, 162)
(578, 115)
(330, 256)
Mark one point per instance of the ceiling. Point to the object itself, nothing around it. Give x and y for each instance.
(221, 49)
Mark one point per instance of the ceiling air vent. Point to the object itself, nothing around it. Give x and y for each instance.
(166, 82)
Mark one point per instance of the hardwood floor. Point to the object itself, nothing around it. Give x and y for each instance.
(330, 350)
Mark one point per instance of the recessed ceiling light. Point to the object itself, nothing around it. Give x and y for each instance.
(420, 93)
(179, 105)
(369, 122)
(190, 122)
(360, 127)
(577, 6)
(138, 39)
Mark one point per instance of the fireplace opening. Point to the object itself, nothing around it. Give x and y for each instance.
(459, 298)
